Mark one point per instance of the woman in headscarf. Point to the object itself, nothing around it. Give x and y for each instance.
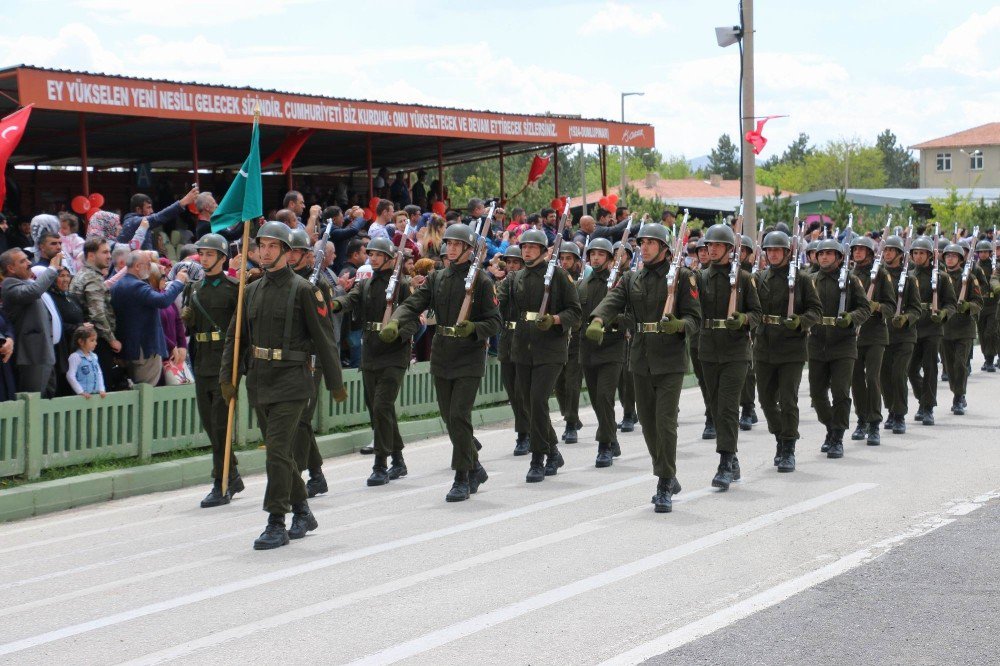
(71, 314)
(105, 224)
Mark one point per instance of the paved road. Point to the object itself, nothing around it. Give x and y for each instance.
(577, 569)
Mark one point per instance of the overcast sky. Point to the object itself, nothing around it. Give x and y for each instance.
(923, 68)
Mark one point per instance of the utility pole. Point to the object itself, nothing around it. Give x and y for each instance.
(621, 192)
(749, 185)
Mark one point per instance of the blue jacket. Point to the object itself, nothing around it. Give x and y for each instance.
(137, 312)
(133, 220)
(340, 238)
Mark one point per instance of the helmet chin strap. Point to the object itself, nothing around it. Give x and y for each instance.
(268, 267)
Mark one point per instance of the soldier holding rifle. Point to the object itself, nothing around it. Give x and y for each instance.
(960, 330)
(902, 333)
(508, 369)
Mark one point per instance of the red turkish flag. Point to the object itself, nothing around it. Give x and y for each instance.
(755, 138)
(11, 130)
(538, 167)
(288, 149)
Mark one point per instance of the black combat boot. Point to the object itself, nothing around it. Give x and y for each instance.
(628, 423)
(215, 496)
(778, 445)
(709, 431)
(928, 419)
(956, 406)
(874, 436)
(536, 472)
(479, 445)
(316, 485)
(990, 365)
(398, 469)
(787, 462)
(274, 535)
(887, 424)
(235, 483)
(477, 477)
(736, 468)
(919, 416)
(367, 450)
(724, 475)
(569, 435)
(522, 446)
(860, 432)
(604, 457)
(553, 462)
(303, 521)
(836, 444)
(965, 403)
(826, 442)
(899, 425)
(944, 375)
(662, 502)
(673, 488)
(753, 415)
(380, 472)
(459, 489)
(746, 421)
(616, 449)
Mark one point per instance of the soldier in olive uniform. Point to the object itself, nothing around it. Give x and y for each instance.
(541, 344)
(569, 383)
(989, 333)
(658, 356)
(748, 415)
(383, 365)
(873, 337)
(923, 370)
(704, 264)
(626, 384)
(285, 322)
(724, 347)
(812, 267)
(833, 344)
(960, 330)
(458, 350)
(602, 361)
(209, 304)
(902, 338)
(779, 350)
(307, 454)
(508, 369)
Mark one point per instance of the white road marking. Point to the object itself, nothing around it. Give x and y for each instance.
(307, 567)
(727, 616)
(390, 587)
(476, 624)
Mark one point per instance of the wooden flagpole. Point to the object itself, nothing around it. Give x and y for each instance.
(236, 354)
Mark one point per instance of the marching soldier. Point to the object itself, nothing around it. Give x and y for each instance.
(286, 322)
(383, 364)
(508, 369)
(540, 346)
(812, 267)
(724, 347)
(833, 344)
(989, 334)
(209, 304)
(960, 330)
(748, 415)
(602, 361)
(873, 337)
(693, 343)
(902, 338)
(307, 454)
(568, 384)
(923, 370)
(779, 350)
(626, 385)
(458, 351)
(658, 356)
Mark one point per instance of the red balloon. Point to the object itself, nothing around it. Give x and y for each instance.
(80, 204)
(373, 203)
(613, 200)
(603, 203)
(439, 208)
(369, 215)
(96, 200)
(91, 213)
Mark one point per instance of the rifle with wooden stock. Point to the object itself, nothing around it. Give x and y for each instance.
(877, 263)
(550, 271)
(934, 269)
(616, 267)
(734, 268)
(392, 290)
(905, 270)
(675, 265)
(478, 256)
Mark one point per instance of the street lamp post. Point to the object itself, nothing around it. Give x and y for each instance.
(621, 192)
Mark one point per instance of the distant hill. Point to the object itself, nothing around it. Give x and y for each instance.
(698, 163)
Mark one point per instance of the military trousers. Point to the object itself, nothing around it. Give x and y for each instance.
(537, 382)
(895, 390)
(830, 390)
(307, 455)
(214, 413)
(749, 393)
(923, 371)
(568, 386)
(725, 383)
(989, 331)
(955, 354)
(778, 385)
(381, 390)
(657, 398)
(508, 374)
(456, 398)
(602, 380)
(626, 383)
(866, 385)
(278, 423)
(699, 374)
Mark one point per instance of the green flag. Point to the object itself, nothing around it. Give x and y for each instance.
(244, 200)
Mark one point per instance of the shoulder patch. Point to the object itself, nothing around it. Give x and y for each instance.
(319, 295)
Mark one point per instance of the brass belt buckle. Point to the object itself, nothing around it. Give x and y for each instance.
(530, 316)
(375, 326)
(828, 321)
(772, 319)
(511, 325)
(448, 331)
(649, 327)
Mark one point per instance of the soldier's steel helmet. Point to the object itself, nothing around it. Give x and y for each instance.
(894, 242)
(654, 231)
(382, 245)
(460, 232)
(863, 241)
(984, 246)
(628, 248)
(570, 248)
(599, 244)
(535, 237)
(513, 252)
(213, 242)
(922, 243)
(276, 230)
(720, 233)
(954, 248)
(831, 244)
(777, 239)
(299, 239)
(747, 242)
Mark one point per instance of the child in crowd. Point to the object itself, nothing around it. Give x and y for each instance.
(84, 373)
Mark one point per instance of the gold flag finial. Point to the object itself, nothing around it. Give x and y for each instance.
(256, 111)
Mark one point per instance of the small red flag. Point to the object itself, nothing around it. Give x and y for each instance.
(11, 130)
(755, 138)
(288, 149)
(538, 167)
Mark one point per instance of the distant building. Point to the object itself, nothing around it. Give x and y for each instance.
(871, 202)
(970, 158)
